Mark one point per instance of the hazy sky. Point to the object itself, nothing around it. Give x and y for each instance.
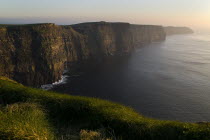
(193, 13)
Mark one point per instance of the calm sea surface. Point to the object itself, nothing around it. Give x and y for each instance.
(168, 80)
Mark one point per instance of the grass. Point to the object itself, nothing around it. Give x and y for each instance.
(14, 25)
(50, 115)
(24, 121)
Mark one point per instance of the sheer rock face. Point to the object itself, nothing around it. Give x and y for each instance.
(106, 38)
(117, 38)
(177, 30)
(36, 54)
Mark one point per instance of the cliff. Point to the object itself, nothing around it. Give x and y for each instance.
(177, 30)
(105, 38)
(36, 54)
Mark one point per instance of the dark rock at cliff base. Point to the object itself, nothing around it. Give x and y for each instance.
(170, 30)
(35, 54)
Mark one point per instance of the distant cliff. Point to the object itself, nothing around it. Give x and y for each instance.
(177, 30)
(36, 54)
(105, 38)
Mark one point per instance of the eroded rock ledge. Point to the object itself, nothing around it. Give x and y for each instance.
(36, 54)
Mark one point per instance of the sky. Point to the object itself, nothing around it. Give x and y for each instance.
(191, 13)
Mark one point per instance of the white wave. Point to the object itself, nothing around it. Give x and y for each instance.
(60, 82)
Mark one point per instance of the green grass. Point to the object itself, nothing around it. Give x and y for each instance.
(16, 25)
(24, 121)
(50, 115)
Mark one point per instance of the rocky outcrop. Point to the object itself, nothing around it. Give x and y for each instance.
(36, 54)
(177, 30)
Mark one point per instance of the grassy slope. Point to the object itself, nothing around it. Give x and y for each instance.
(49, 115)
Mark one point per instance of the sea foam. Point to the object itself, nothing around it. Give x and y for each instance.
(63, 80)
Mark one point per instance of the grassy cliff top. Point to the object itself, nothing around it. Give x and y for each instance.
(79, 24)
(35, 24)
(28, 113)
(100, 23)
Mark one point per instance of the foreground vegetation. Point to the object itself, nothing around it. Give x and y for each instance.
(27, 113)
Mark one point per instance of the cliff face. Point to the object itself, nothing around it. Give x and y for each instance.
(117, 38)
(106, 38)
(35, 54)
(147, 33)
(177, 30)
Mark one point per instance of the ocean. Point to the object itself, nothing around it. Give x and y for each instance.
(167, 80)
